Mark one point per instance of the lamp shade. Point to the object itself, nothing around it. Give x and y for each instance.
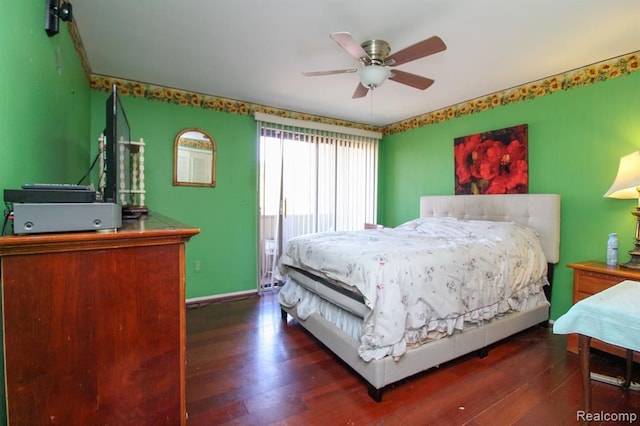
(373, 76)
(627, 179)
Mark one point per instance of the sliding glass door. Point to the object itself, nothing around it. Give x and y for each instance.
(311, 181)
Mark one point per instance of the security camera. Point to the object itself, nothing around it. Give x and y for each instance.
(53, 13)
(65, 12)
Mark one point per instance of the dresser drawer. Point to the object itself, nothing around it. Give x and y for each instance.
(589, 283)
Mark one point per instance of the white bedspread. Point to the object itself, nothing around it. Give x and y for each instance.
(428, 275)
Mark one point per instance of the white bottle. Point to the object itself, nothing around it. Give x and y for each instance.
(612, 250)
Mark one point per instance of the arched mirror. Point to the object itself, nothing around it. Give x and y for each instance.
(194, 158)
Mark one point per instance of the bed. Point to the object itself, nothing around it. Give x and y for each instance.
(361, 304)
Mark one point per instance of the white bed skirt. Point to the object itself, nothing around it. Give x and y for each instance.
(307, 303)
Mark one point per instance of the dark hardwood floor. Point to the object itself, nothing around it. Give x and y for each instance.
(246, 366)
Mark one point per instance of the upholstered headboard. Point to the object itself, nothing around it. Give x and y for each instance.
(538, 211)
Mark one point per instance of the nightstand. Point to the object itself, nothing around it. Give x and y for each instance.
(592, 277)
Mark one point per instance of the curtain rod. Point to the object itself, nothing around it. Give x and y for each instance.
(260, 116)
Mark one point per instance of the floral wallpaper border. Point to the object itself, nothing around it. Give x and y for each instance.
(199, 100)
(196, 144)
(601, 71)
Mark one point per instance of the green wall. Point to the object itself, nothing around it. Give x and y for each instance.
(50, 121)
(44, 106)
(226, 215)
(44, 102)
(576, 139)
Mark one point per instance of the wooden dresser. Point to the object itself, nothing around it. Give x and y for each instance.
(591, 277)
(94, 325)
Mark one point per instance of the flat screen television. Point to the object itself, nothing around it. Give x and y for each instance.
(117, 129)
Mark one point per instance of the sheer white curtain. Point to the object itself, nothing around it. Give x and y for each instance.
(312, 179)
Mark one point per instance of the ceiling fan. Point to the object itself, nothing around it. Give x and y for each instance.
(375, 57)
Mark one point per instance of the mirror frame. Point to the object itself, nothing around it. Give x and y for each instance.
(175, 159)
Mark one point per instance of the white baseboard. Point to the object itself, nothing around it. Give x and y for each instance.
(217, 297)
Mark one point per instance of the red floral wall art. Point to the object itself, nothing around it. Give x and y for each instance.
(493, 162)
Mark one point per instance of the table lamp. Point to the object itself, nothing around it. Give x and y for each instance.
(627, 185)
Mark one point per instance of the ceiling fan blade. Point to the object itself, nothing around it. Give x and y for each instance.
(419, 50)
(316, 73)
(347, 42)
(409, 79)
(360, 92)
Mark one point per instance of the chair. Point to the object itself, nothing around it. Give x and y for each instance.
(268, 253)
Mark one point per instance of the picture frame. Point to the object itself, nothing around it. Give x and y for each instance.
(493, 162)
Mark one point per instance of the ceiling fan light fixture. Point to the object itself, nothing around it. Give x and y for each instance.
(373, 76)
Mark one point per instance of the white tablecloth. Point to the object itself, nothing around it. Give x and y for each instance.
(612, 316)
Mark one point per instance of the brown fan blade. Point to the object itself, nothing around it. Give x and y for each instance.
(419, 50)
(316, 73)
(360, 92)
(347, 42)
(409, 79)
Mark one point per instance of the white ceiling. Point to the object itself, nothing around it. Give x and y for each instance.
(255, 50)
